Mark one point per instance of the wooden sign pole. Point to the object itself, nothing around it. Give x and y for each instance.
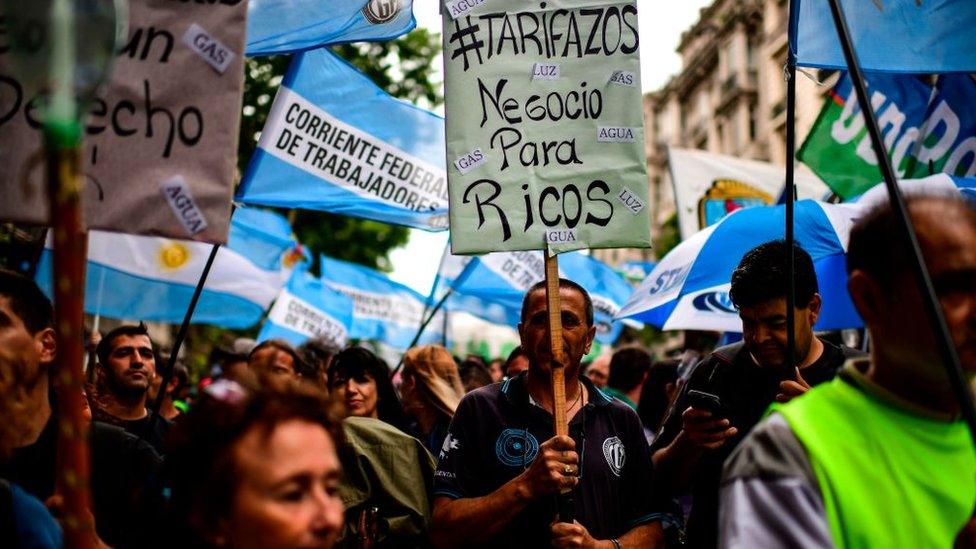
(561, 425)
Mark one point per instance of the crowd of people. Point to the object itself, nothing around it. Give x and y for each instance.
(316, 446)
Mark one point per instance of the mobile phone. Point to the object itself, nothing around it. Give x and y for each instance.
(706, 401)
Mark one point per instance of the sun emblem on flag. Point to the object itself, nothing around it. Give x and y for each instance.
(173, 255)
(293, 256)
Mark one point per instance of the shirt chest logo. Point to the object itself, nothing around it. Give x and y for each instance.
(615, 454)
(516, 447)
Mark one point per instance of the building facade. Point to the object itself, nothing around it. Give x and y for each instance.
(729, 98)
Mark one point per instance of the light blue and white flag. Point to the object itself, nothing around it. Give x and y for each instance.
(450, 269)
(283, 26)
(504, 277)
(689, 287)
(636, 270)
(306, 308)
(383, 310)
(152, 279)
(336, 142)
(910, 36)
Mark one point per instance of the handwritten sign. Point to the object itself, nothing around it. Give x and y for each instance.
(161, 140)
(550, 95)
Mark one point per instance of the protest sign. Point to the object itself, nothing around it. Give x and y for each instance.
(545, 140)
(336, 142)
(283, 26)
(707, 186)
(160, 143)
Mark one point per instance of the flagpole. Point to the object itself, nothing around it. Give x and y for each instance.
(96, 324)
(790, 193)
(564, 502)
(180, 337)
(437, 280)
(933, 310)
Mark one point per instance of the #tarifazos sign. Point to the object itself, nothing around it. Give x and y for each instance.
(545, 140)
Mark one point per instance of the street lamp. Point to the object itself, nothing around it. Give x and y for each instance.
(61, 51)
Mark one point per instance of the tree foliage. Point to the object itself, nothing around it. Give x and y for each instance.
(402, 67)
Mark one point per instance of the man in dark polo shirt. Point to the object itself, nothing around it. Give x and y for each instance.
(501, 467)
(746, 377)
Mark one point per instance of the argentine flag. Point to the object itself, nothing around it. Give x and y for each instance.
(152, 279)
(306, 308)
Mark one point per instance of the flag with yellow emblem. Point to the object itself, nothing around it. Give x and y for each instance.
(148, 278)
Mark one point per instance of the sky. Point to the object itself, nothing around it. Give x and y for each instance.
(661, 24)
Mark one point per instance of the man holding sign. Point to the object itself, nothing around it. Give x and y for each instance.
(497, 484)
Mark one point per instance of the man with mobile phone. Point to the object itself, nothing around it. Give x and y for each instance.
(878, 457)
(730, 390)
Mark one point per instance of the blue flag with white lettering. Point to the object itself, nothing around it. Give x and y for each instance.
(306, 308)
(909, 36)
(283, 26)
(950, 122)
(447, 275)
(383, 310)
(335, 142)
(504, 277)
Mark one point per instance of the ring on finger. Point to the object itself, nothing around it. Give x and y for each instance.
(568, 470)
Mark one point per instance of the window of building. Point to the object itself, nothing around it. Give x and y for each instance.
(753, 122)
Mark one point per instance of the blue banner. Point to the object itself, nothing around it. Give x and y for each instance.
(503, 278)
(335, 142)
(152, 279)
(909, 36)
(450, 269)
(283, 26)
(306, 308)
(950, 129)
(383, 310)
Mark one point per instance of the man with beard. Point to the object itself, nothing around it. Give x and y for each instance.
(128, 365)
(746, 378)
(501, 467)
(121, 464)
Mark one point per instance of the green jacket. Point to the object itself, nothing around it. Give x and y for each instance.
(384, 468)
(890, 475)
